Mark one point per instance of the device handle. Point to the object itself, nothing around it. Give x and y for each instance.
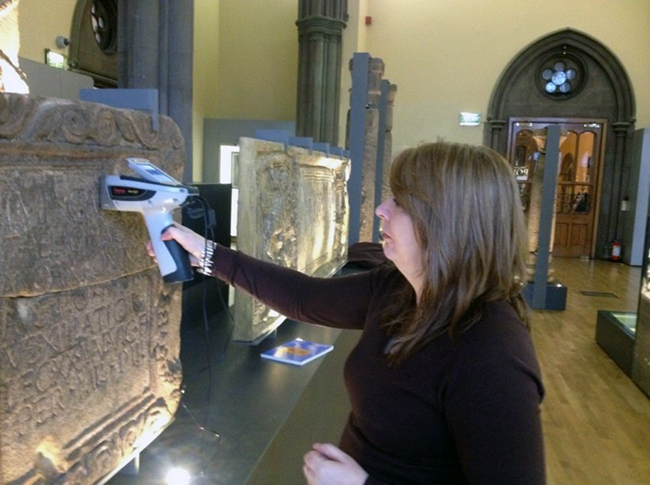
(173, 260)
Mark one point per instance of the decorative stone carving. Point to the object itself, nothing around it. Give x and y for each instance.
(293, 211)
(89, 333)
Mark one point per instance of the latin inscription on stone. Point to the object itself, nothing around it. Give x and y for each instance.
(89, 333)
(72, 355)
(45, 212)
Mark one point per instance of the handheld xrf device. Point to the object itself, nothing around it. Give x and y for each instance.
(155, 196)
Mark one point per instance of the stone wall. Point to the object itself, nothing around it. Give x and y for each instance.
(89, 333)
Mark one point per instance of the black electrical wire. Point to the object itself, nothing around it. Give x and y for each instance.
(209, 224)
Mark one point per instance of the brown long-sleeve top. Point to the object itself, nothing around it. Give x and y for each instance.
(455, 412)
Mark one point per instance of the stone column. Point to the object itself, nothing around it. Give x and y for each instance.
(621, 130)
(320, 27)
(495, 127)
(155, 47)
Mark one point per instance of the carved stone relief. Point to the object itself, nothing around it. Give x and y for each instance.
(388, 142)
(89, 333)
(293, 211)
(364, 185)
(375, 75)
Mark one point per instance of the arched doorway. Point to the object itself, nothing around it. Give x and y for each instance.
(570, 76)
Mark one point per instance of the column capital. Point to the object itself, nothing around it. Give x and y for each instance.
(495, 125)
(622, 127)
(320, 24)
(331, 9)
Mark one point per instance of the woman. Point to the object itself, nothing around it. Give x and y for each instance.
(444, 382)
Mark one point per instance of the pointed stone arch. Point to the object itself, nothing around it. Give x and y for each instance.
(607, 94)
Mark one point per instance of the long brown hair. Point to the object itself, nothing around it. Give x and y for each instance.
(467, 215)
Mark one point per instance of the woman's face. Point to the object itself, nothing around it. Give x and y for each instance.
(400, 243)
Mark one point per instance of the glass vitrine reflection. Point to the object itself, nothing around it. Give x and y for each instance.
(627, 321)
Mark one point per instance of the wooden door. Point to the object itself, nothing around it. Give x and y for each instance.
(578, 182)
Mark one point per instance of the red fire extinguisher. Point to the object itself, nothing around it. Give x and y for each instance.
(615, 252)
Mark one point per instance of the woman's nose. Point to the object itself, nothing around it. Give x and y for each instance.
(382, 210)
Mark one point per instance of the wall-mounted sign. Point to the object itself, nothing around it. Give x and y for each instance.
(55, 59)
(470, 119)
(521, 173)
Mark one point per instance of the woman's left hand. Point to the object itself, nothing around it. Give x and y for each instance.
(328, 465)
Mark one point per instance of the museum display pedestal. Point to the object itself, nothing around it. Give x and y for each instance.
(556, 294)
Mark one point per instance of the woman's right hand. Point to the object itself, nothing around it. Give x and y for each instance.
(327, 464)
(192, 242)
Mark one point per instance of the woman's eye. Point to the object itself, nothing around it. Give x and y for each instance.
(395, 202)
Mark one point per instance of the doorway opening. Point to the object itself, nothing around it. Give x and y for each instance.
(568, 76)
(579, 178)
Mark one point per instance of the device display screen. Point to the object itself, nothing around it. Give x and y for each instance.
(157, 173)
(150, 172)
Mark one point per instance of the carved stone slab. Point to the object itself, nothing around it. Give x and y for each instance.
(388, 142)
(375, 73)
(376, 69)
(293, 211)
(89, 333)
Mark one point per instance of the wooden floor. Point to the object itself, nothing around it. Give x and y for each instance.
(596, 420)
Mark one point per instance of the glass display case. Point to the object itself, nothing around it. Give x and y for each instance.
(615, 332)
(625, 336)
(641, 351)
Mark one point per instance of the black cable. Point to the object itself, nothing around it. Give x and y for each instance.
(208, 235)
(209, 224)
